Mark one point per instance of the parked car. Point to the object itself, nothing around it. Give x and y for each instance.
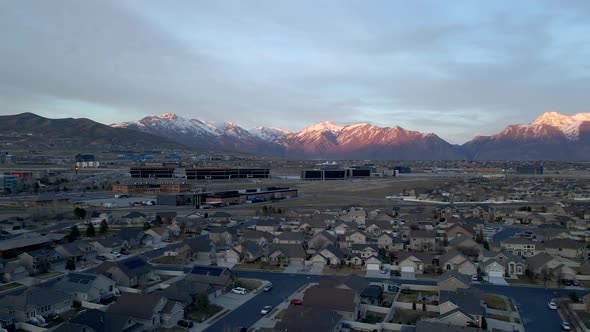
(566, 326)
(265, 310)
(101, 258)
(268, 287)
(552, 305)
(124, 252)
(296, 302)
(239, 290)
(116, 254)
(474, 277)
(185, 323)
(575, 282)
(384, 271)
(566, 282)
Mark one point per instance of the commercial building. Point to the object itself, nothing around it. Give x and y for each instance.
(529, 169)
(86, 161)
(152, 188)
(223, 198)
(152, 172)
(338, 173)
(7, 184)
(227, 173)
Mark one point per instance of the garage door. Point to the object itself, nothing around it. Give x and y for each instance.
(318, 264)
(497, 274)
(372, 266)
(407, 269)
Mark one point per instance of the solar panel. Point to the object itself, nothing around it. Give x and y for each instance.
(205, 270)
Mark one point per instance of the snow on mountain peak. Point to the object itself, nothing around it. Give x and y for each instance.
(568, 125)
(168, 116)
(552, 119)
(322, 127)
(269, 133)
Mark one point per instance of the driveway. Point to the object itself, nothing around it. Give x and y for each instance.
(316, 269)
(497, 281)
(376, 274)
(294, 268)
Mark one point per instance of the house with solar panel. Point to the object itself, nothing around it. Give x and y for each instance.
(87, 287)
(129, 272)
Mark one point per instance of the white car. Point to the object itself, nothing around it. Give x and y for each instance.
(239, 290)
(116, 254)
(265, 310)
(474, 277)
(566, 326)
(552, 305)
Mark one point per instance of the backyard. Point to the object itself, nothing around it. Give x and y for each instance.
(418, 297)
(410, 317)
(373, 318)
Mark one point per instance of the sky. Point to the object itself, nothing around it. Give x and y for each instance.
(455, 68)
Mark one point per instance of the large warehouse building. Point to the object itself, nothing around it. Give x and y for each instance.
(338, 174)
(227, 173)
(223, 198)
(152, 172)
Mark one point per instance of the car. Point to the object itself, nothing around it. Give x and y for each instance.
(239, 290)
(157, 247)
(384, 271)
(566, 282)
(268, 287)
(265, 310)
(296, 302)
(552, 305)
(124, 252)
(474, 277)
(101, 258)
(185, 323)
(566, 326)
(575, 283)
(116, 254)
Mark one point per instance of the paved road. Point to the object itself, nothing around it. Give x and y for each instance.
(530, 301)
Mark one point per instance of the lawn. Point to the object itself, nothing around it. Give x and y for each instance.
(258, 266)
(584, 316)
(249, 284)
(9, 286)
(344, 270)
(201, 315)
(495, 302)
(409, 317)
(48, 275)
(524, 280)
(373, 318)
(499, 317)
(413, 297)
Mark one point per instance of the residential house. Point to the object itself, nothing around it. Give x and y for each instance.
(146, 309)
(96, 217)
(267, 225)
(12, 271)
(39, 261)
(389, 242)
(416, 262)
(330, 255)
(466, 245)
(451, 281)
(132, 236)
(492, 268)
(309, 319)
(222, 236)
(260, 237)
(421, 240)
(453, 260)
(35, 302)
(220, 217)
(290, 238)
(544, 265)
(432, 326)
(462, 307)
(378, 226)
(221, 279)
(202, 250)
(167, 217)
(341, 228)
(174, 230)
(373, 263)
(100, 321)
(231, 256)
(312, 226)
(86, 287)
(352, 238)
(250, 251)
(109, 245)
(129, 272)
(171, 313)
(185, 291)
(71, 251)
(548, 232)
(345, 302)
(567, 248)
(134, 217)
(364, 250)
(520, 247)
(459, 230)
(321, 240)
(513, 265)
(285, 254)
(156, 235)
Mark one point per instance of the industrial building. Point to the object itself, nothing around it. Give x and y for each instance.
(7, 159)
(227, 173)
(152, 188)
(152, 172)
(338, 174)
(223, 198)
(529, 169)
(8, 184)
(86, 161)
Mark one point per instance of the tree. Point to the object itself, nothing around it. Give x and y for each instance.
(414, 306)
(479, 238)
(80, 213)
(74, 233)
(146, 226)
(265, 210)
(157, 222)
(104, 227)
(484, 324)
(70, 265)
(423, 306)
(168, 220)
(279, 211)
(90, 231)
(202, 301)
(486, 245)
(574, 296)
(206, 215)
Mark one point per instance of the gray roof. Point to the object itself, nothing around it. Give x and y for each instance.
(23, 241)
(98, 321)
(291, 236)
(76, 282)
(495, 254)
(133, 266)
(254, 235)
(34, 296)
(450, 255)
(422, 234)
(452, 274)
(327, 235)
(289, 250)
(538, 260)
(335, 251)
(308, 319)
(198, 245)
(469, 300)
(253, 248)
(563, 243)
(136, 305)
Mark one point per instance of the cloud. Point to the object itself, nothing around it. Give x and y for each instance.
(457, 69)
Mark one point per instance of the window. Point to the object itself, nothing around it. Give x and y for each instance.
(110, 288)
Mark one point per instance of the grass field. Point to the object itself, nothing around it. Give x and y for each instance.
(499, 317)
(410, 317)
(249, 284)
(495, 302)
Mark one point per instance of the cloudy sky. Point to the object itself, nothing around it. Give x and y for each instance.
(456, 68)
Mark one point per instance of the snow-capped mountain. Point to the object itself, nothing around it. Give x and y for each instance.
(322, 140)
(552, 136)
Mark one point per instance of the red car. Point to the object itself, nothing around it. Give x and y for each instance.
(296, 302)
